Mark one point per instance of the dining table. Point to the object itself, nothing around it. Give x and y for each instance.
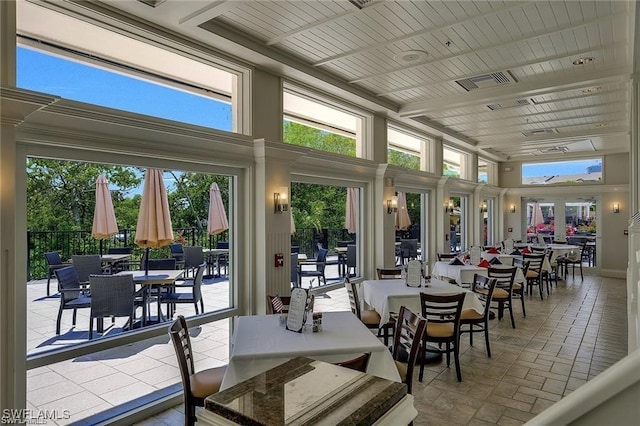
(260, 342)
(387, 296)
(150, 279)
(112, 260)
(214, 254)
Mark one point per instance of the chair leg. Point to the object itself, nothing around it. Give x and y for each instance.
(456, 359)
(48, 282)
(471, 334)
(524, 313)
(74, 317)
(58, 321)
(486, 337)
(90, 327)
(513, 322)
(540, 287)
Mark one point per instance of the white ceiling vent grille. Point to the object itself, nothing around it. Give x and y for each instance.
(503, 105)
(554, 150)
(493, 79)
(152, 3)
(359, 3)
(539, 132)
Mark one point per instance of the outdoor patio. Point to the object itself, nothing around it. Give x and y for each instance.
(89, 385)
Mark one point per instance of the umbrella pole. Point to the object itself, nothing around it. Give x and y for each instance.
(101, 247)
(146, 262)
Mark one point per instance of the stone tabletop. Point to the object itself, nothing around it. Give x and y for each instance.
(303, 391)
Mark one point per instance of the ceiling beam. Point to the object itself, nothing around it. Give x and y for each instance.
(209, 12)
(558, 138)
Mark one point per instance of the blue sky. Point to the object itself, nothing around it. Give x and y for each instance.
(559, 168)
(72, 80)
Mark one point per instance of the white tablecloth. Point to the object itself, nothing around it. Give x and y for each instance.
(386, 296)
(463, 274)
(260, 343)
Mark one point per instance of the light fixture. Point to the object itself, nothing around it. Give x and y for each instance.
(448, 206)
(582, 61)
(281, 200)
(512, 209)
(616, 208)
(392, 205)
(483, 207)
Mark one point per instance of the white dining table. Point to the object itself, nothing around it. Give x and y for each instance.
(387, 296)
(261, 343)
(463, 274)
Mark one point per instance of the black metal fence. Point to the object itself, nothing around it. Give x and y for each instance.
(68, 243)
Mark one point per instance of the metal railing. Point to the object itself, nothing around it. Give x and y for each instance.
(68, 243)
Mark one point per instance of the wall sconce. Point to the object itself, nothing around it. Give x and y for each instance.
(616, 208)
(448, 206)
(281, 200)
(392, 205)
(483, 208)
(512, 209)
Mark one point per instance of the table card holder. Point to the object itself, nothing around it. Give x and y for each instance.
(475, 255)
(414, 273)
(299, 306)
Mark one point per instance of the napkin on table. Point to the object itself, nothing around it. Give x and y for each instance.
(484, 264)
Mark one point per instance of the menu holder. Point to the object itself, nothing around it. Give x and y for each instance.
(414, 273)
(300, 304)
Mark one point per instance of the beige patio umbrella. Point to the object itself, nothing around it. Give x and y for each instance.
(536, 215)
(154, 220)
(104, 218)
(217, 222)
(350, 220)
(402, 217)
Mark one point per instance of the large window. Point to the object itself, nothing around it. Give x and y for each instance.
(60, 205)
(321, 125)
(454, 163)
(569, 172)
(406, 149)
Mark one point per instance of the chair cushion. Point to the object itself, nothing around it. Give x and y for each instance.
(532, 274)
(471, 314)
(435, 329)
(370, 317)
(517, 286)
(402, 370)
(500, 294)
(207, 382)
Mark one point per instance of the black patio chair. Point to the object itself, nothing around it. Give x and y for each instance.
(111, 296)
(72, 295)
(54, 262)
(318, 272)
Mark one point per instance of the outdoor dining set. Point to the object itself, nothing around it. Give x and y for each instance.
(113, 285)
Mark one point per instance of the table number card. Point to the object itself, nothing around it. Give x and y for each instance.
(298, 307)
(414, 273)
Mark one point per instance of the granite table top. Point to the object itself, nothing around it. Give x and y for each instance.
(303, 391)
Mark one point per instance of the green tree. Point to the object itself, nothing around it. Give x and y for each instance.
(61, 194)
(299, 134)
(403, 159)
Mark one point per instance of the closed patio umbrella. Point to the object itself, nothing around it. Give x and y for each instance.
(154, 220)
(217, 222)
(351, 210)
(536, 216)
(104, 218)
(402, 218)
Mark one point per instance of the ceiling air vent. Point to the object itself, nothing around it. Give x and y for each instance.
(487, 80)
(554, 150)
(503, 105)
(539, 132)
(359, 3)
(152, 3)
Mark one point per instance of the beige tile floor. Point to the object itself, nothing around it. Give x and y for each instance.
(567, 339)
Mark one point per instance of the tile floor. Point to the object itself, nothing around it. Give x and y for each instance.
(565, 340)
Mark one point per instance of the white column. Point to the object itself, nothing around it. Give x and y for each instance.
(12, 312)
(634, 150)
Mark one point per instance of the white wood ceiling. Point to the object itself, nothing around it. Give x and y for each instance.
(584, 108)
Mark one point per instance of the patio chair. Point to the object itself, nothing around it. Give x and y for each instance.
(318, 272)
(406, 343)
(86, 265)
(294, 270)
(194, 296)
(193, 257)
(503, 294)
(573, 259)
(222, 259)
(177, 253)
(389, 273)
(71, 293)
(351, 260)
(54, 261)
(196, 386)
(111, 296)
